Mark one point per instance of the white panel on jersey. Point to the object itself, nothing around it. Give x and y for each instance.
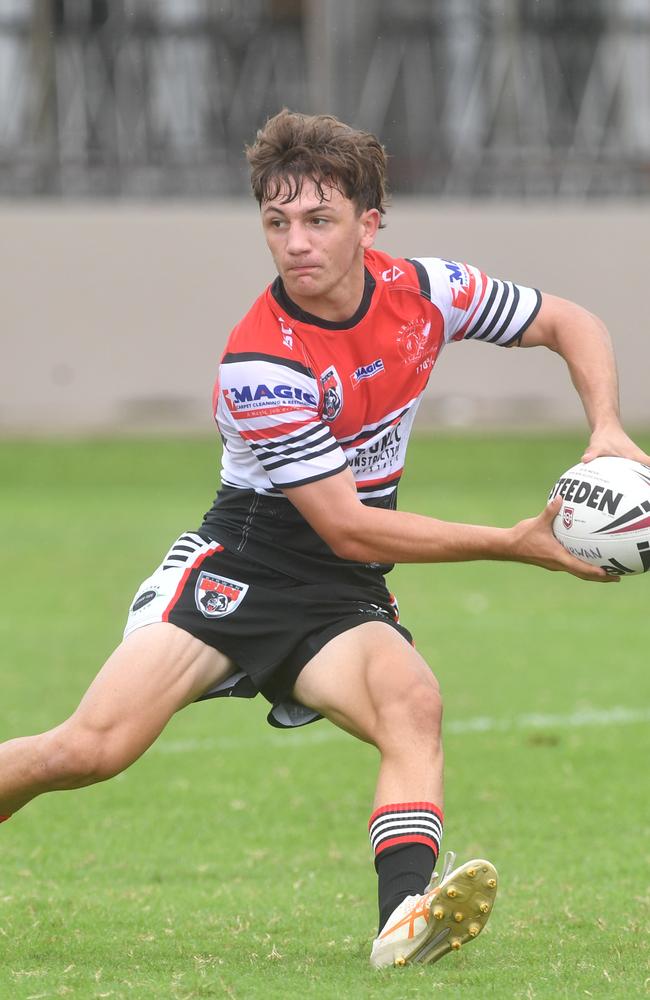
(475, 306)
(268, 413)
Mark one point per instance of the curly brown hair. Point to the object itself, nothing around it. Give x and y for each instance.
(292, 146)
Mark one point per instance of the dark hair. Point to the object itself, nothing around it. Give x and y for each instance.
(292, 146)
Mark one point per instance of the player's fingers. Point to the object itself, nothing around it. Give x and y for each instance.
(552, 508)
(583, 570)
(597, 575)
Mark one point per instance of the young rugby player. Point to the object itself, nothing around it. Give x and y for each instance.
(281, 590)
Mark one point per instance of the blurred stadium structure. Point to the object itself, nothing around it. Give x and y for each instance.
(519, 137)
(155, 98)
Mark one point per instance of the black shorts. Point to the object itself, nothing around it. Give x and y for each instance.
(269, 624)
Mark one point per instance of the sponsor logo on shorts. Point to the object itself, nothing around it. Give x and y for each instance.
(366, 371)
(217, 596)
(141, 601)
(567, 517)
(373, 609)
(332, 393)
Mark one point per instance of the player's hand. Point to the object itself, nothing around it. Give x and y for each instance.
(535, 543)
(614, 441)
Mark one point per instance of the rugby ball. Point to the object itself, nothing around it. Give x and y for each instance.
(605, 515)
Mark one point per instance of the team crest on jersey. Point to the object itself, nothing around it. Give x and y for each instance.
(413, 339)
(332, 393)
(217, 596)
(567, 517)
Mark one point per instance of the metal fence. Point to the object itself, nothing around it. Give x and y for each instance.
(154, 98)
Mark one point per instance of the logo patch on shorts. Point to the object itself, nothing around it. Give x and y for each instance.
(217, 596)
(146, 597)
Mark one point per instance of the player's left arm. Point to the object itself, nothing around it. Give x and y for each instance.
(583, 341)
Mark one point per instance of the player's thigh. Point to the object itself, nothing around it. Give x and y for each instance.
(154, 672)
(363, 675)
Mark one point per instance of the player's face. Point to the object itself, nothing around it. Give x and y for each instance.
(317, 243)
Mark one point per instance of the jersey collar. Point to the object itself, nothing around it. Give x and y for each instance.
(289, 306)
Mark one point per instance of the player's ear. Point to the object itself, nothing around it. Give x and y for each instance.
(369, 221)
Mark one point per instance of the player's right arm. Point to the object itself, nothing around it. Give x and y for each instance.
(373, 534)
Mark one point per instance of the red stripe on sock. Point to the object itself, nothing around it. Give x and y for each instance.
(406, 807)
(409, 838)
(3, 818)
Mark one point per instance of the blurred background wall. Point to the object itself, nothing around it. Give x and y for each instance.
(519, 140)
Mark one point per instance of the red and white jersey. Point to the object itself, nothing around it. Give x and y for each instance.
(299, 398)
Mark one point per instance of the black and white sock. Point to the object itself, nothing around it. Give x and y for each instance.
(405, 838)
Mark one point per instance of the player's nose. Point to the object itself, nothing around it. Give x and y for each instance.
(297, 239)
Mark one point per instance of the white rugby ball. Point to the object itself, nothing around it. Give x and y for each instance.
(605, 515)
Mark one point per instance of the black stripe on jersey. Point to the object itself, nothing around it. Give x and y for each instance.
(270, 466)
(287, 440)
(486, 312)
(517, 337)
(423, 277)
(350, 442)
(507, 321)
(280, 450)
(497, 312)
(315, 479)
(231, 358)
(379, 486)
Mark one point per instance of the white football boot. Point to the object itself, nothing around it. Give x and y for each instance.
(453, 910)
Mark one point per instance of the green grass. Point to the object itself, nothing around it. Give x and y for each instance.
(232, 860)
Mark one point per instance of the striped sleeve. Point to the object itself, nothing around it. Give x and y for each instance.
(272, 405)
(475, 306)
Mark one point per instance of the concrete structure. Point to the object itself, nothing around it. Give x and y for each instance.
(114, 315)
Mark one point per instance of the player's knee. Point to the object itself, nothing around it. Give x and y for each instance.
(75, 757)
(417, 709)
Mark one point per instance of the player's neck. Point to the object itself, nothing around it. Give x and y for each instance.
(338, 304)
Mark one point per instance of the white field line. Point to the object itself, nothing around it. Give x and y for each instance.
(312, 735)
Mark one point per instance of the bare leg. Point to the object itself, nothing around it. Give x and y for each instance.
(372, 683)
(156, 671)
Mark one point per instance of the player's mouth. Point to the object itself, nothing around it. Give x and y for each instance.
(302, 268)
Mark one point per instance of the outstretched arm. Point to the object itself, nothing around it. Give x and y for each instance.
(583, 341)
(371, 534)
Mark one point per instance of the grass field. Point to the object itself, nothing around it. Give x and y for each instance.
(232, 860)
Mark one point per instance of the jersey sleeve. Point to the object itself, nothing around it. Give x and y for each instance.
(475, 306)
(272, 404)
